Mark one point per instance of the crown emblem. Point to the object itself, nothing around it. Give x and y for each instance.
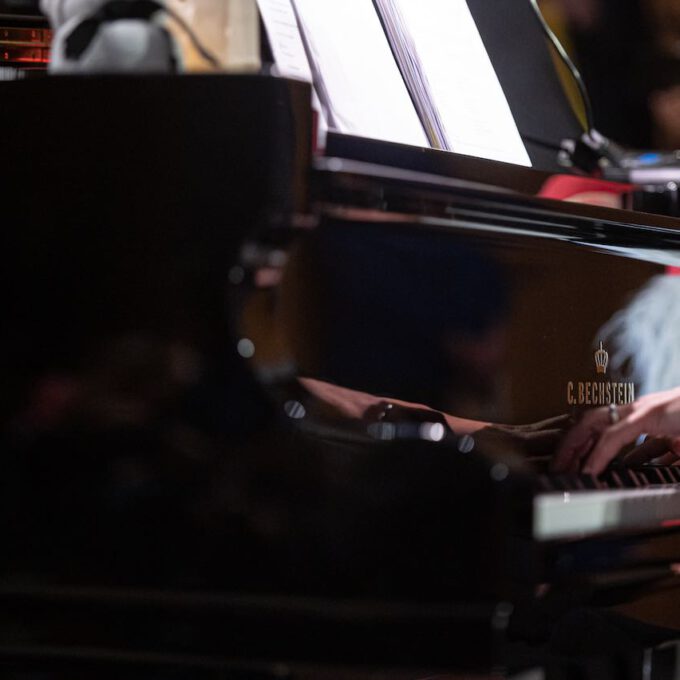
(601, 359)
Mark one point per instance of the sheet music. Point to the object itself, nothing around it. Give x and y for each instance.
(361, 86)
(288, 50)
(461, 79)
(285, 40)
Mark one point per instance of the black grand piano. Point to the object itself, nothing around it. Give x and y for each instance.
(269, 412)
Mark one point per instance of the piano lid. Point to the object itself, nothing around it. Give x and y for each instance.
(379, 303)
(428, 288)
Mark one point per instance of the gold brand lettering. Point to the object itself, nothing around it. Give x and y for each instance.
(601, 392)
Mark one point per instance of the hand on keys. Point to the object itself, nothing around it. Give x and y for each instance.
(598, 437)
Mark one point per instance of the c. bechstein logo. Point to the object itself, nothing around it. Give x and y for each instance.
(602, 392)
(601, 359)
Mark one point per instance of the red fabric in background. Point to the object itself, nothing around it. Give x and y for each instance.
(564, 187)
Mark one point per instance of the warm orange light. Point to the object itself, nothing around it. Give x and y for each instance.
(24, 55)
(25, 45)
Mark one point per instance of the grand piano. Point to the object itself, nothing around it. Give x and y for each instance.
(275, 412)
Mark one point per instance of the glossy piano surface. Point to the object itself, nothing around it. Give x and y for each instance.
(234, 368)
(481, 301)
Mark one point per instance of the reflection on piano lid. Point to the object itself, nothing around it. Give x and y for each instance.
(442, 191)
(406, 283)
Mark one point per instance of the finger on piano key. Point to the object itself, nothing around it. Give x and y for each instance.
(612, 478)
(591, 483)
(652, 475)
(628, 477)
(651, 449)
(667, 459)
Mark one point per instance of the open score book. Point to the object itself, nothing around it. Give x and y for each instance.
(408, 71)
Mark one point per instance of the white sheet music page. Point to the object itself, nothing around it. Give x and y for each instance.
(357, 78)
(462, 81)
(285, 40)
(288, 50)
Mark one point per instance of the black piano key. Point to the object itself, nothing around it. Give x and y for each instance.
(567, 482)
(652, 475)
(673, 473)
(612, 479)
(603, 481)
(637, 478)
(560, 482)
(664, 475)
(618, 477)
(627, 478)
(668, 474)
(662, 479)
(649, 476)
(577, 482)
(660, 474)
(590, 482)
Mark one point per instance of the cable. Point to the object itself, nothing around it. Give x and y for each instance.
(564, 56)
(198, 46)
(550, 146)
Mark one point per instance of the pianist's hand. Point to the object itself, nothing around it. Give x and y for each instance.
(336, 403)
(595, 441)
(533, 441)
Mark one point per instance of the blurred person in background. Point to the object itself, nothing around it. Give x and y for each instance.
(628, 52)
(664, 70)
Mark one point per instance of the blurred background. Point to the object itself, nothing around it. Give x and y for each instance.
(628, 52)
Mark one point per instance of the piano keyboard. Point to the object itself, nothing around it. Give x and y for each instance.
(579, 506)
